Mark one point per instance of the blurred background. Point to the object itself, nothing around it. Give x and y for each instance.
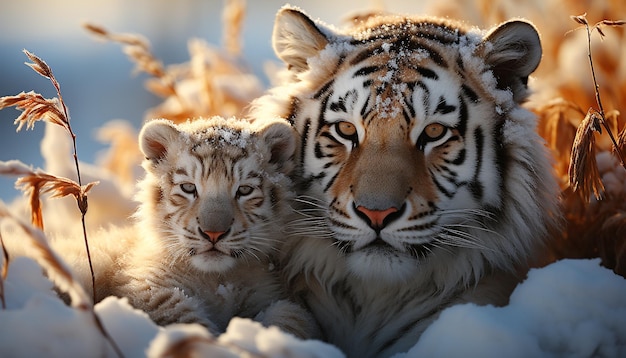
(96, 78)
(98, 84)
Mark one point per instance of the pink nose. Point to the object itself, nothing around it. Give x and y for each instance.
(214, 236)
(376, 217)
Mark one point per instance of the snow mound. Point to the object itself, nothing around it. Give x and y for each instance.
(572, 308)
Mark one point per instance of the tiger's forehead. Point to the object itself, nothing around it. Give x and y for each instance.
(395, 83)
(389, 27)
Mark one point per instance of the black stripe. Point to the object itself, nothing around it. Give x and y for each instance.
(331, 181)
(434, 55)
(366, 71)
(460, 158)
(443, 107)
(443, 190)
(318, 151)
(469, 92)
(361, 56)
(407, 116)
(475, 186)
(324, 89)
(462, 125)
(428, 73)
(338, 106)
(305, 138)
(294, 108)
(426, 99)
(364, 111)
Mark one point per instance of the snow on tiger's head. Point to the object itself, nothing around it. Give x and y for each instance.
(215, 189)
(414, 141)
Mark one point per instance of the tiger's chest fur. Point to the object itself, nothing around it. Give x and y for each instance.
(422, 181)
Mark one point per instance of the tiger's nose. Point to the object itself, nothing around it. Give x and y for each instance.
(214, 236)
(377, 219)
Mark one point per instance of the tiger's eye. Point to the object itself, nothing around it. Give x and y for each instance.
(346, 130)
(434, 131)
(244, 190)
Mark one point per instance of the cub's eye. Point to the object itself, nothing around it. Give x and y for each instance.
(244, 190)
(346, 130)
(434, 131)
(189, 188)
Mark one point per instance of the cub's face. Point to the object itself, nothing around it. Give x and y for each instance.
(401, 133)
(219, 190)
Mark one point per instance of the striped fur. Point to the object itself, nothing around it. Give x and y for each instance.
(208, 227)
(422, 182)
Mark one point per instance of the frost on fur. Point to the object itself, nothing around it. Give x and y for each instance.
(422, 181)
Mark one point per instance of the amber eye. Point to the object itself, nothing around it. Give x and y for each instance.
(434, 131)
(189, 188)
(244, 190)
(346, 130)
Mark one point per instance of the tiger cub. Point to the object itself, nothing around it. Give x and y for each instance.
(208, 228)
(422, 180)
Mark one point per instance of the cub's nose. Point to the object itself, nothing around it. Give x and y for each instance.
(213, 236)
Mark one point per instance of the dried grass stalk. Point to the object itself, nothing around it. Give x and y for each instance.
(35, 183)
(232, 19)
(138, 49)
(59, 273)
(584, 177)
(621, 140)
(583, 171)
(34, 108)
(558, 120)
(55, 268)
(41, 67)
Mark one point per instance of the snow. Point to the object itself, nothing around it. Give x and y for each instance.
(573, 308)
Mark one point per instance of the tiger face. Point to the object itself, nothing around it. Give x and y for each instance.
(214, 189)
(408, 144)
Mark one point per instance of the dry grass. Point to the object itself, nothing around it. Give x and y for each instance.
(594, 228)
(213, 82)
(35, 183)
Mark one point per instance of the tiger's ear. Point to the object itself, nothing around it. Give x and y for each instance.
(514, 53)
(280, 138)
(155, 137)
(296, 38)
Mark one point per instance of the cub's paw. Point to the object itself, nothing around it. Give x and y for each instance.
(290, 317)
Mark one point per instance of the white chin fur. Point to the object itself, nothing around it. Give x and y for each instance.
(214, 263)
(384, 266)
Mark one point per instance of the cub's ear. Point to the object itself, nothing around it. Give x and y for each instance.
(280, 139)
(155, 137)
(514, 53)
(296, 38)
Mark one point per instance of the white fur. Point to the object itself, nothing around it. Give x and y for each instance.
(164, 265)
(375, 301)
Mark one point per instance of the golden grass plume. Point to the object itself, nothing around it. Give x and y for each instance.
(213, 82)
(36, 182)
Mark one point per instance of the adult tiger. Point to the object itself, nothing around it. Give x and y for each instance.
(422, 180)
